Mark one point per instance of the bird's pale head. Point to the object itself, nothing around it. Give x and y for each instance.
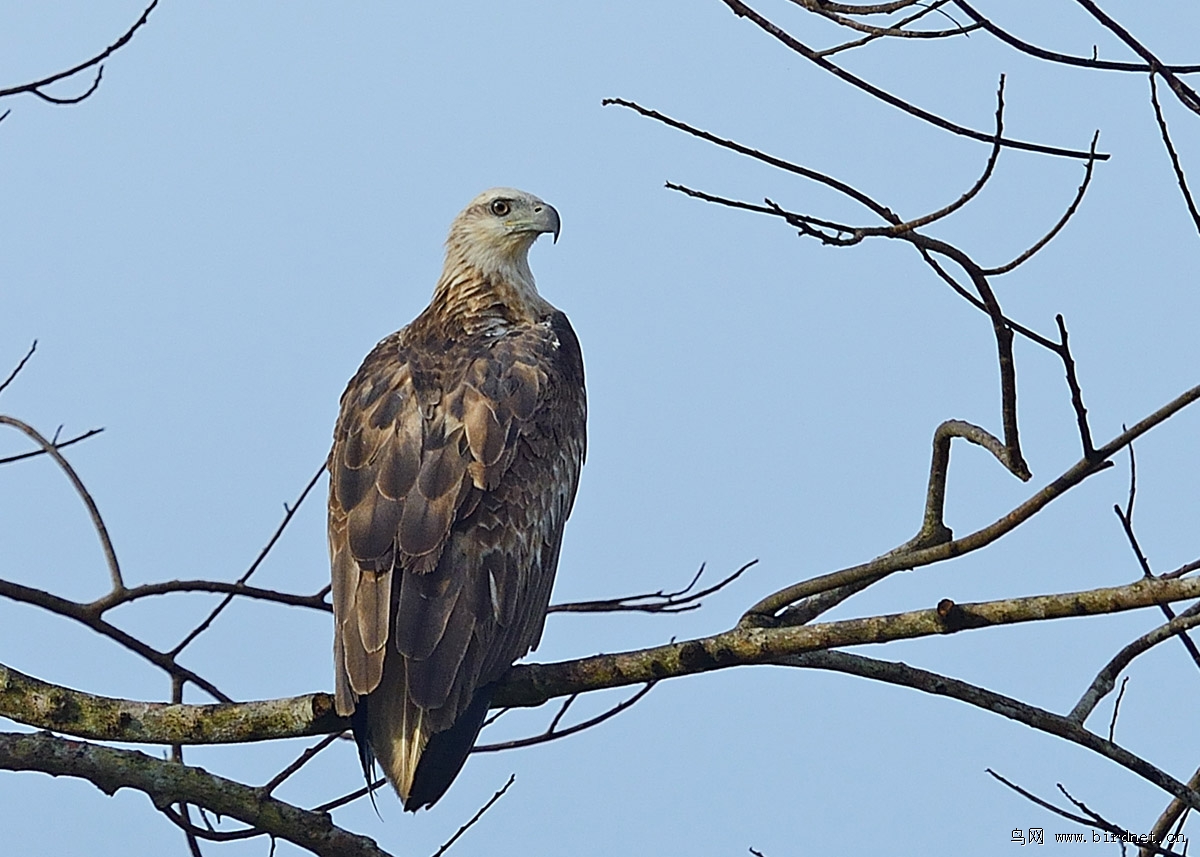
(494, 232)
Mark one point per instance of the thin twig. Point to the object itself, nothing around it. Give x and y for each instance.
(186, 825)
(512, 778)
(679, 601)
(36, 86)
(1187, 96)
(766, 608)
(893, 31)
(897, 29)
(1126, 520)
(1106, 679)
(1064, 351)
(316, 601)
(1112, 724)
(1006, 706)
(971, 192)
(289, 513)
(349, 798)
(550, 734)
(303, 759)
(51, 449)
(1180, 178)
(1093, 821)
(58, 444)
(81, 613)
(829, 181)
(1054, 56)
(1062, 221)
(743, 11)
(21, 365)
(75, 99)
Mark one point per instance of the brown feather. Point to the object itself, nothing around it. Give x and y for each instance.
(374, 608)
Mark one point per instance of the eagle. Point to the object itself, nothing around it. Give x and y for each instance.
(455, 462)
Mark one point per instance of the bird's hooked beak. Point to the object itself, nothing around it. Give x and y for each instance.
(545, 219)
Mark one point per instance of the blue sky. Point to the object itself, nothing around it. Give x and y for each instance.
(206, 248)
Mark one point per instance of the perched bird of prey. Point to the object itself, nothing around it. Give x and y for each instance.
(454, 466)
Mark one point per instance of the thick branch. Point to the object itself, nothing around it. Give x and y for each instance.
(166, 783)
(40, 705)
(28, 700)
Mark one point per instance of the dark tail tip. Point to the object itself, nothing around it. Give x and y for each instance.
(366, 757)
(447, 752)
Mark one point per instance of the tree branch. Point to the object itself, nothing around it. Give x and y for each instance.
(36, 86)
(743, 11)
(167, 782)
(35, 703)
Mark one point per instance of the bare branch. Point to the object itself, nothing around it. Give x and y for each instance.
(1093, 820)
(110, 555)
(165, 783)
(679, 601)
(36, 703)
(75, 99)
(57, 445)
(316, 601)
(553, 732)
(289, 513)
(80, 613)
(743, 11)
(1064, 351)
(1175, 164)
(512, 778)
(857, 9)
(773, 161)
(1062, 221)
(764, 611)
(971, 192)
(1053, 56)
(1106, 679)
(897, 29)
(182, 819)
(1126, 519)
(893, 31)
(36, 87)
(1187, 96)
(1176, 811)
(351, 797)
(303, 759)
(1112, 723)
(1006, 706)
(21, 365)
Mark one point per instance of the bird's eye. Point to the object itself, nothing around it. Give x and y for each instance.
(500, 207)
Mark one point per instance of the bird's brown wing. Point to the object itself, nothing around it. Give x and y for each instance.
(451, 479)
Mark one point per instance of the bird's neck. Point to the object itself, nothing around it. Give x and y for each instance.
(474, 298)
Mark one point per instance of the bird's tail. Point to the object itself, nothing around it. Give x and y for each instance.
(396, 730)
(418, 762)
(446, 752)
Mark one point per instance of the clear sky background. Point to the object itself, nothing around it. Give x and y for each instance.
(258, 192)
